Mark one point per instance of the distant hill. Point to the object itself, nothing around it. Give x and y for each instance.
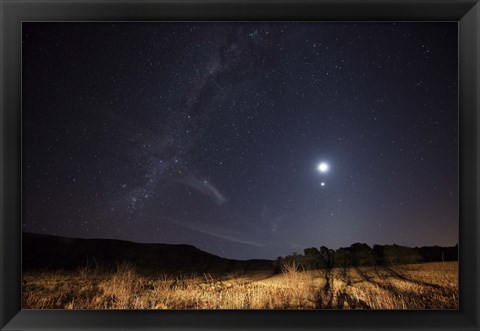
(53, 252)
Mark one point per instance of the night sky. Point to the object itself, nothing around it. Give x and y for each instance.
(211, 134)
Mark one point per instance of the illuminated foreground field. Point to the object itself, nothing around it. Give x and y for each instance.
(412, 286)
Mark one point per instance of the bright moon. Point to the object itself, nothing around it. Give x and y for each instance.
(322, 183)
(323, 167)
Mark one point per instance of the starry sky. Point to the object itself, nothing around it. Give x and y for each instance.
(211, 134)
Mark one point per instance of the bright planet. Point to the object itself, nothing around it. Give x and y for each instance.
(323, 167)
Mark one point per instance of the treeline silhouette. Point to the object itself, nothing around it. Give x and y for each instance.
(48, 252)
(360, 254)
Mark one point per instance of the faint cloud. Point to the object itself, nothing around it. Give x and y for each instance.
(218, 232)
(205, 187)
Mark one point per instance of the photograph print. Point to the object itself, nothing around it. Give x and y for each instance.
(240, 165)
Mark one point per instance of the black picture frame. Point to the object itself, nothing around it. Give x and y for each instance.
(13, 12)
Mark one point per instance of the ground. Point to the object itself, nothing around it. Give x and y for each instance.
(411, 286)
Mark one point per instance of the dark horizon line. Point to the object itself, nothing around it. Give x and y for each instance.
(162, 243)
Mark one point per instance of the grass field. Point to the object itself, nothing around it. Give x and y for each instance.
(413, 286)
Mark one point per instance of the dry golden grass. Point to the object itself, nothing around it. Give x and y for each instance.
(415, 286)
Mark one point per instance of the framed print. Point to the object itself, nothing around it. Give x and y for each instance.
(164, 138)
(250, 165)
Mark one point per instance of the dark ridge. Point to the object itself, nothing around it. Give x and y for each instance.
(49, 252)
(53, 252)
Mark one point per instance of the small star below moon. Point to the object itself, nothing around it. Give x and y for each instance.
(323, 167)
